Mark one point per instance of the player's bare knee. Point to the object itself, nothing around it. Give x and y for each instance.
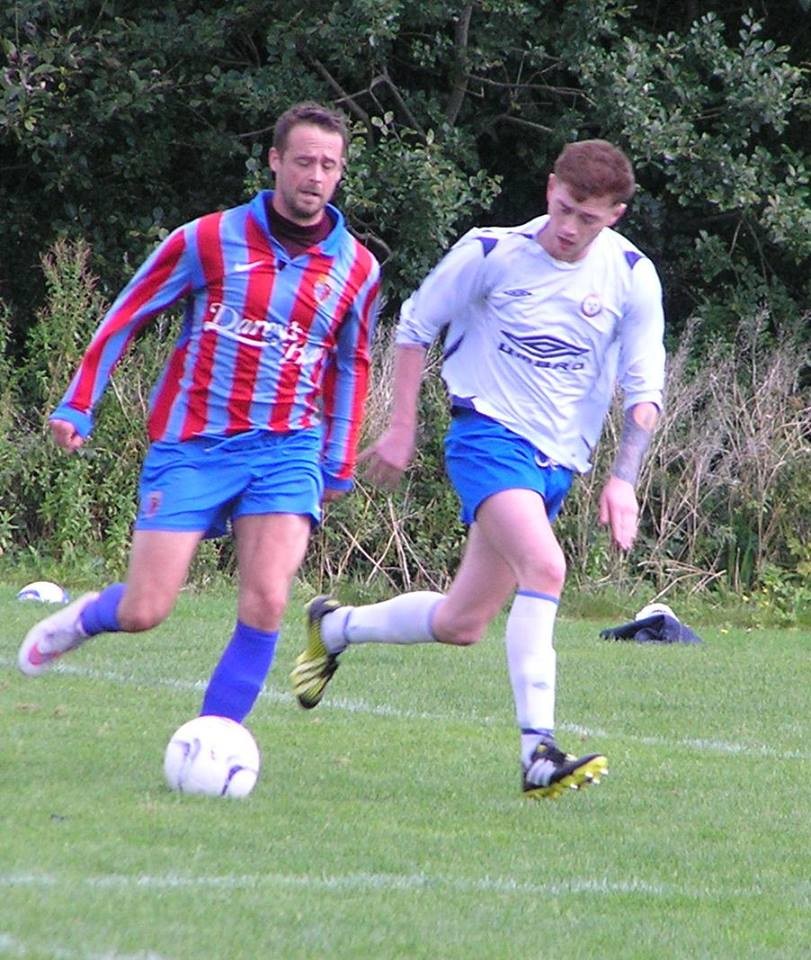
(546, 573)
(262, 609)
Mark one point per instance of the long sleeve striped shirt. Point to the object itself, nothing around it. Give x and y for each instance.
(268, 341)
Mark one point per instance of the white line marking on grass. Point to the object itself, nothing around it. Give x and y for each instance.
(692, 743)
(343, 704)
(388, 882)
(407, 883)
(11, 946)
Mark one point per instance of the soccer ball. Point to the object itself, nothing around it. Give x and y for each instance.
(44, 591)
(652, 609)
(214, 756)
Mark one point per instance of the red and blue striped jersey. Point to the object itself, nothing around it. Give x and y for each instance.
(268, 341)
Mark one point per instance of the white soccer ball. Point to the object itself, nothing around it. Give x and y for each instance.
(213, 756)
(44, 592)
(653, 608)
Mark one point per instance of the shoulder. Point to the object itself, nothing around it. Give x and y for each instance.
(632, 270)
(486, 241)
(343, 243)
(209, 226)
(627, 255)
(360, 255)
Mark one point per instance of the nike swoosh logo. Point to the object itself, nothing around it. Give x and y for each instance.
(245, 267)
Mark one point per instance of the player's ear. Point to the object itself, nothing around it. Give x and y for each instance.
(618, 211)
(550, 184)
(273, 159)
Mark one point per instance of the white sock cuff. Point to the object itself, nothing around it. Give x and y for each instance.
(537, 595)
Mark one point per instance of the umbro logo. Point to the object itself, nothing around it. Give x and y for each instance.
(545, 347)
(518, 292)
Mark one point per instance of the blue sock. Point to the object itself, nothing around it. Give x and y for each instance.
(238, 677)
(101, 614)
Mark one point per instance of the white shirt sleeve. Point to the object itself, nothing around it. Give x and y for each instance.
(642, 353)
(446, 294)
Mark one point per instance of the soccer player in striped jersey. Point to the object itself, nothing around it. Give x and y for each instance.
(542, 321)
(256, 416)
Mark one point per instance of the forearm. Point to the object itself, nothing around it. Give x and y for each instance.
(388, 457)
(638, 426)
(409, 363)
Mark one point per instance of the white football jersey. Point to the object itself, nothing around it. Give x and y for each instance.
(539, 344)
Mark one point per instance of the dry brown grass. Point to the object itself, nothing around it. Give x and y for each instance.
(724, 494)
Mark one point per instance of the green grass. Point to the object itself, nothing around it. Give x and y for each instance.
(388, 823)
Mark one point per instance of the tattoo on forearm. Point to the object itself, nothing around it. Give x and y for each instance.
(633, 446)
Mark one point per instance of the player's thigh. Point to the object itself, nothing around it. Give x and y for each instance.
(159, 563)
(270, 550)
(482, 585)
(516, 526)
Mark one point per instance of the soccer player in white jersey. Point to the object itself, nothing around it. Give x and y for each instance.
(543, 321)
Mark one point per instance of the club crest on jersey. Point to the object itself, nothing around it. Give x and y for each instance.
(322, 288)
(543, 351)
(151, 504)
(591, 305)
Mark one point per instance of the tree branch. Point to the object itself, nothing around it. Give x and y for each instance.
(515, 85)
(459, 74)
(343, 97)
(520, 122)
(401, 104)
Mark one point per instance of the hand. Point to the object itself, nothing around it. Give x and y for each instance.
(330, 495)
(66, 435)
(620, 511)
(385, 461)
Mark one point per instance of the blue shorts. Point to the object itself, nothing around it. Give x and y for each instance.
(201, 484)
(482, 458)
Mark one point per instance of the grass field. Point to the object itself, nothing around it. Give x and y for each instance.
(388, 823)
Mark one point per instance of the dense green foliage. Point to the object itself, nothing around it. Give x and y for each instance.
(119, 121)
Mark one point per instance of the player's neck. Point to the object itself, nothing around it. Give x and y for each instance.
(297, 237)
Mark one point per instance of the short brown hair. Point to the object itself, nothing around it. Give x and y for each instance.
(596, 168)
(309, 112)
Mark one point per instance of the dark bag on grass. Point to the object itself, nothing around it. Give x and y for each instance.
(658, 628)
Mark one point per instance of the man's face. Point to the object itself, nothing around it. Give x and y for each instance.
(573, 224)
(307, 172)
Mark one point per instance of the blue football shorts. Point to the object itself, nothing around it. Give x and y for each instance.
(202, 484)
(482, 458)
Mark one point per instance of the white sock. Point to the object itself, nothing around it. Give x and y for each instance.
(403, 619)
(532, 660)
